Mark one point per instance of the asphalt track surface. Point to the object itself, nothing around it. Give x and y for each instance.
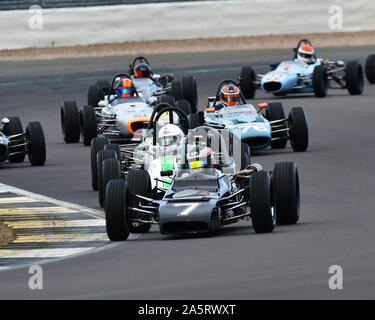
(337, 195)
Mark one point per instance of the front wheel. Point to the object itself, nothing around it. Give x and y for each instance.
(275, 111)
(117, 202)
(184, 105)
(298, 130)
(247, 82)
(320, 81)
(285, 183)
(354, 77)
(12, 128)
(370, 68)
(139, 183)
(262, 215)
(111, 169)
(97, 144)
(36, 145)
(89, 125)
(70, 123)
(101, 156)
(189, 85)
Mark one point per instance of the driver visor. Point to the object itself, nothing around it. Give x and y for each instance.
(197, 164)
(232, 98)
(125, 91)
(142, 74)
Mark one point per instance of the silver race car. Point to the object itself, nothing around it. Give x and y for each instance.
(118, 116)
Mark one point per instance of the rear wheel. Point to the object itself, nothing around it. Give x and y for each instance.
(354, 77)
(117, 200)
(370, 68)
(115, 148)
(70, 123)
(139, 183)
(285, 185)
(101, 156)
(194, 121)
(97, 144)
(189, 85)
(89, 126)
(275, 111)
(111, 169)
(36, 145)
(320, 81)
(166, 98)
(96, 92)
(184, 105)
(15, 127)
(177, 91)
(262, 216)
(298, 130)
(247, 82)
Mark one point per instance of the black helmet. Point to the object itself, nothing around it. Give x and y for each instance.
(142, 70)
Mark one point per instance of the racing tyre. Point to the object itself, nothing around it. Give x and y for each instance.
(70, 123)
(184, 105)
(370, 68)
(262, 217)
(189, 85)
(101, 156)
(320, 81)
(168, 99)
(111, 169)
(245, 155)
(354, 77)
(298, 130)
(275, 111)
(194, 121)
(96, 92)
(115, 148)
(177, 91)
(116, 210)
(285, 184)
(15, 127)
(247, 82)
(36, 145)
(89, 125)
(97, 144)
(139, 183)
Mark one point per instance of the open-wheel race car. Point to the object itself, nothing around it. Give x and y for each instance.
(149, 84)
(15, 143)
(207, 192)
(304, 74)
(156, 152)
(259, 128)
(121, 113)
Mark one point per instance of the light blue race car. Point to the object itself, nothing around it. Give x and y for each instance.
(304, 74)
(259, 128)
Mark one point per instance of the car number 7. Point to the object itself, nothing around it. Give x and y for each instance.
(190, 207)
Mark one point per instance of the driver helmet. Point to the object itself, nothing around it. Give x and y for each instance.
(306, 53)
(169, 135)
(142, 70)
(124, 88)
(230, 95)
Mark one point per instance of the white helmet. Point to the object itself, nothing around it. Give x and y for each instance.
(306, 53)
(170, 134)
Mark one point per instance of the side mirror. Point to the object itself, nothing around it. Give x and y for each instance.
(5, 121)
(210, 110)
(166, 173)
(262, 105)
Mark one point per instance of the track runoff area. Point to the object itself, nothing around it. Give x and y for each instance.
(292, 262)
